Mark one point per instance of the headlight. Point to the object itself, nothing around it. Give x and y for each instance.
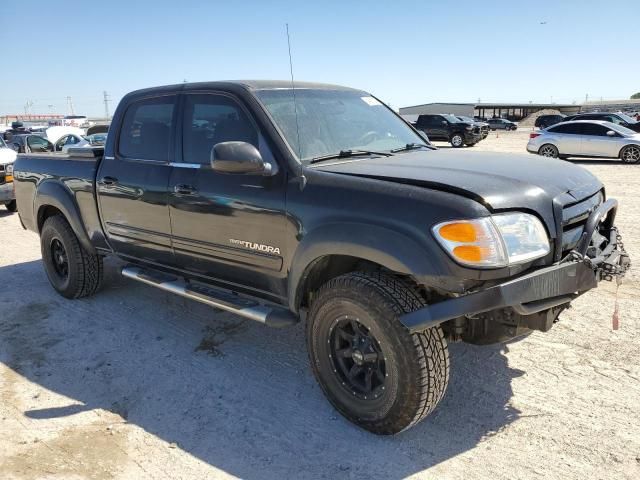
(495, 241)
(8, 175)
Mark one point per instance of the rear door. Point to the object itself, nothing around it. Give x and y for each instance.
(132, 185)
(437, 129)
(596, 142)
(38, 144)
(226, 228)
(567, 138)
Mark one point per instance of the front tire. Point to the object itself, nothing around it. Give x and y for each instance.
(548, 150)
(373, 371)
(457, 140)
(630, 154)
(12, 206)
(73, 271)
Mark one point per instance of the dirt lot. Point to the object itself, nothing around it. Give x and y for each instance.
(134, 383)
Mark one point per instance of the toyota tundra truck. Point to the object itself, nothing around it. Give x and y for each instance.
(314, 202)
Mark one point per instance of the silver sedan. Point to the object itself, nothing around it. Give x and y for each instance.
(586, 138)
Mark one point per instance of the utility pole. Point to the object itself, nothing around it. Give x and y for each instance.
(107, 99)
(27, 106)
(70, 106)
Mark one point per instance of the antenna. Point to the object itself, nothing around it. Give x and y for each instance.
(293, 90)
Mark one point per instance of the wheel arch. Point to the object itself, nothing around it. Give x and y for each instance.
(549, 142)
(52, 198)
(338, 249)
(624, 147)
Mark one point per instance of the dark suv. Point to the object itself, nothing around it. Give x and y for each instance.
(450, 129)
(617, 118)
(544, 121)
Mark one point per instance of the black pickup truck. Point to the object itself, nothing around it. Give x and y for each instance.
(450, 128)
(321, 203)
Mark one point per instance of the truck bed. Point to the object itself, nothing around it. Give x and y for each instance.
(46, 174)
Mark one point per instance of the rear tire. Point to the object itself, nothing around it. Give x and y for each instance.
(548, 150)
(12, 206)
(73, 271)
(457, 140)
(630, 154)
(354, 334)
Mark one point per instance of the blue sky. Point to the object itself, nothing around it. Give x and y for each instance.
(405, 52)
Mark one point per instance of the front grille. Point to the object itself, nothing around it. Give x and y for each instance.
(476, 129)
(574, 218)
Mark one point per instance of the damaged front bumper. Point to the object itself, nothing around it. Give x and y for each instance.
(600, 255)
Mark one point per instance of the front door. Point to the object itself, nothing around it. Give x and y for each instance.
(226, 228)
(132, 185)
(597, 143)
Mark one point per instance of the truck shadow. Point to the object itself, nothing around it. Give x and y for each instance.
(232, 393)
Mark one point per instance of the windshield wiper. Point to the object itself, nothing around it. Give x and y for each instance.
(347, 154)
(413, 146)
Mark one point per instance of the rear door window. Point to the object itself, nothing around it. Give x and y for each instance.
(567, 128)
(39, 144)
(147, 129)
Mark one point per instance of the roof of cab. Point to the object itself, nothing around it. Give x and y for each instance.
(243, 84)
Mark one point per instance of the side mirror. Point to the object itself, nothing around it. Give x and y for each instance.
(611, 133)
(444, 122)
(239, 158)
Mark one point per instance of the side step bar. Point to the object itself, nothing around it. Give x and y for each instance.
(272, 316)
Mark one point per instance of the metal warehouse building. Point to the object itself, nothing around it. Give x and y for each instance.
(512, 111)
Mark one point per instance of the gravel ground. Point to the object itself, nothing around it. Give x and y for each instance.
(134, 383)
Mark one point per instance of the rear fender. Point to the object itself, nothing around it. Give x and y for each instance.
(54, 194)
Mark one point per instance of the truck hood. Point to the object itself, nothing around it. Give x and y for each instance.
(497, 180)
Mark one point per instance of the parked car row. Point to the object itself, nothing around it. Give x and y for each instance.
(41, 143)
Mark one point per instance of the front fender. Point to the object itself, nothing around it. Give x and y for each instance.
(390, 249)
(51, 193)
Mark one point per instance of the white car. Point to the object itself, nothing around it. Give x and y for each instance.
(88, 141)
(586, 138)
(7, 158)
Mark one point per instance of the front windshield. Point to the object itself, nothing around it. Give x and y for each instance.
(620, 129)
(452, 118)
(330, 121)
(626, 118)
